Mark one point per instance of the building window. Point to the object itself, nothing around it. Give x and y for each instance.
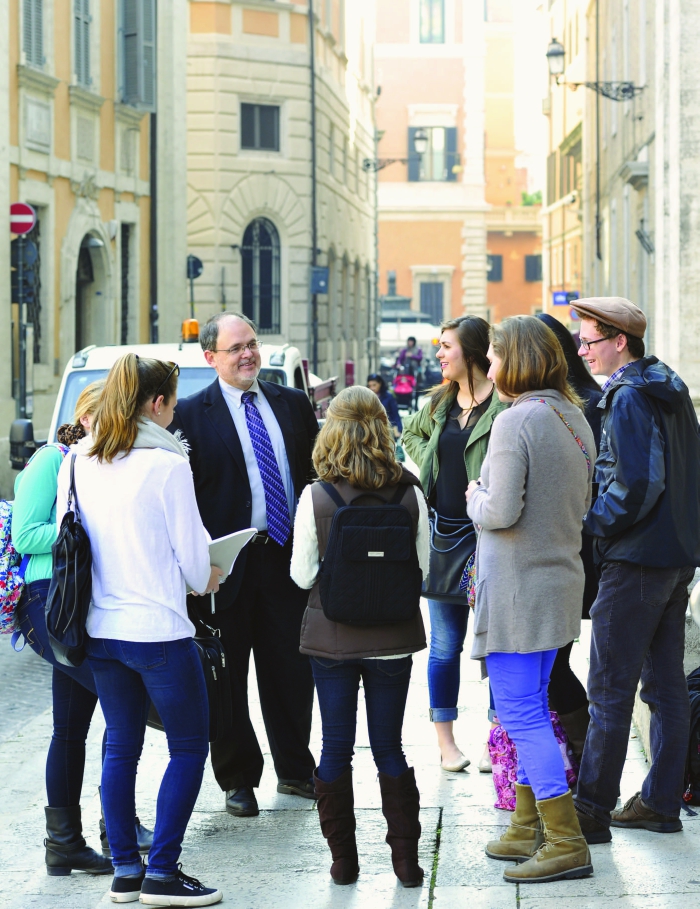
(260, 127)
(391, 283)
(138, 53)
(440, 161)
(432, 300)
(494, 268)
(533, 268)
(33, 32)
(432, 21)
(82, 19)
(260, 255)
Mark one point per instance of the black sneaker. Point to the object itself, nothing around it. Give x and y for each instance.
(181, 891)
(126, 889)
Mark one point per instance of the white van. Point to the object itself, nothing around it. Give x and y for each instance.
(281, 364)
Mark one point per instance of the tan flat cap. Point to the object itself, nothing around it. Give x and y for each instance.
(616, 311)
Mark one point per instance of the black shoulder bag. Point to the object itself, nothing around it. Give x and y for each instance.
(70, 590)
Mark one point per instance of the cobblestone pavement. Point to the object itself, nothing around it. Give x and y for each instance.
(280, 859)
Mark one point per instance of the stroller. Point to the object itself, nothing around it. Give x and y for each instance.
(405, 389)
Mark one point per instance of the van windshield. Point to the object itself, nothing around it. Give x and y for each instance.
(192, 379)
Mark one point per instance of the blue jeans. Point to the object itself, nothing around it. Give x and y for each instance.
(74, 701)
(386, 689)
(638, 622)
(519, 682)
(129, 676)
(448, 629)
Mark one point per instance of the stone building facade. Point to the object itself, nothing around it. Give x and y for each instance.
(250, 175)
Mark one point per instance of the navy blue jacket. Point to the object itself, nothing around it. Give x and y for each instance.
(648, 470)
(392, 409)
(218, 464)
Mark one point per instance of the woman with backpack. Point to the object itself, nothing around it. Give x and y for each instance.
(355, 462)
(73, 689)
(530, 501)
(448, 439)
(136, 495)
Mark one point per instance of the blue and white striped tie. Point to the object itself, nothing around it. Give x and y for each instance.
(279, 525)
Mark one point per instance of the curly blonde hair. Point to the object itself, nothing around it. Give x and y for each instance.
(355, 443)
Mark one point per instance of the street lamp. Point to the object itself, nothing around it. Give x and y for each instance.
(420, 147)
(616, 91)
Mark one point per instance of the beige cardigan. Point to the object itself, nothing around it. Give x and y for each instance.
(536, 489)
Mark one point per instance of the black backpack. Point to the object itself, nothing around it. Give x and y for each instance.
(692, 777)
(370, 573)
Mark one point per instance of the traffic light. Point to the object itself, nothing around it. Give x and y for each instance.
(24, 256)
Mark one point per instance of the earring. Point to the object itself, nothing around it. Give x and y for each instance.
(158, 414)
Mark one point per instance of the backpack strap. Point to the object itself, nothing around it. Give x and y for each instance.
(333, 493)
(398, 495)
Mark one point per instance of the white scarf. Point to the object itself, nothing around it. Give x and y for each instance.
(151, 435)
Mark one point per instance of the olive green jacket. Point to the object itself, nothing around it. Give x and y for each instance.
(421, 437)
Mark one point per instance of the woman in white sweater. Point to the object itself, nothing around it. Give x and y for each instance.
(355, 460)
(136, 495)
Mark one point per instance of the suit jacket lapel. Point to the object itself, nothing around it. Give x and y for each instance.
(220, 417)
(280, 408)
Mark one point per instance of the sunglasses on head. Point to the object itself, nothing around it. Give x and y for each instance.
(174, 371)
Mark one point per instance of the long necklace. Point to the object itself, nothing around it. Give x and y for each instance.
(476, 404)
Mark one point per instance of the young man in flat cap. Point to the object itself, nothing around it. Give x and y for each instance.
(646, 525)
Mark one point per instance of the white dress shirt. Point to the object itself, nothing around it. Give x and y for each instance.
(234, 398)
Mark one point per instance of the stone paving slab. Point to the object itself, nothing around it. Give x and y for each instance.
(280, 858)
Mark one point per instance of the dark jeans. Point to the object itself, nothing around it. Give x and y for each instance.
(566, 693)
(74, 700)
(265, 618)
(129, 676)
(638, 631)
(386, 688)
(448, 629)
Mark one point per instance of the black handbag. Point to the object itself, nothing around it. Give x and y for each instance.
(452, 542)
(70, 590)
(218, 681)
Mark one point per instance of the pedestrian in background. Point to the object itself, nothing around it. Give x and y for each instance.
(250, 452)
(411, 356)
(567, 696)
(74, 695)
(534, 490)
(354, 452)
(448, 439)
(646, 524)
(376, 383)
(138, 507)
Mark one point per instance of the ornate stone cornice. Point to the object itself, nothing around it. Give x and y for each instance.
(35, 79)
(130, 116)
(86, 188)
(83, 97)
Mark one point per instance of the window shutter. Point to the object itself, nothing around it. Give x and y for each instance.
(148, 98)
(495, 268)
(533, 268)
(82, 41)
(451, 153)
(413, 157)
(33, 31)
(139, 53)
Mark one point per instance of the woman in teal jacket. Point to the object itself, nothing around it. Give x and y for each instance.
(74, 691)
(448, 439)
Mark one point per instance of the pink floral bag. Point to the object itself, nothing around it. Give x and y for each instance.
(504, 759)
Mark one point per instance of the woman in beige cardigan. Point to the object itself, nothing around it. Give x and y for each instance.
(530, 502)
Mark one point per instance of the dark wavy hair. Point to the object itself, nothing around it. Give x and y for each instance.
(473, 336)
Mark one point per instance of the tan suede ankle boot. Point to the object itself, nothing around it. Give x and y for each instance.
(564, 854)
(523, 837)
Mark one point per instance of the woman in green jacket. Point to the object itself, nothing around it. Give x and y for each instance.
(448, 439)
(34, 530)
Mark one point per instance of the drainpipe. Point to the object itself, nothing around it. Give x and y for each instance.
(153, 234)
(314, 218)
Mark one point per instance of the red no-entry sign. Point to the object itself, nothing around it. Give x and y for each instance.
(22, 218)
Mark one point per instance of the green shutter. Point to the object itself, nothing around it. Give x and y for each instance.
(451, 153)
(139, 53)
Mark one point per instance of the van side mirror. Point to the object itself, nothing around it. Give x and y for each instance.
(22, 444)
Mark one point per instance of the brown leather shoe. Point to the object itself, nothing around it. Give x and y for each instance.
(635, 814)
(592, 829)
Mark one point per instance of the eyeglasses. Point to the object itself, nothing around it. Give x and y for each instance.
(174, 371)
(586, 345)
(252, 346)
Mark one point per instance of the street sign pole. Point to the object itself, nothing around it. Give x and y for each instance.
(22, 400)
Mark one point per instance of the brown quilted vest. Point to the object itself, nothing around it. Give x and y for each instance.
(323, 638)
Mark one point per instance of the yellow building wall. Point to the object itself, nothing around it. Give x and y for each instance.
(13, 25)
(210, 18)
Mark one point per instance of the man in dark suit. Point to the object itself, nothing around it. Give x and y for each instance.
(251, 444)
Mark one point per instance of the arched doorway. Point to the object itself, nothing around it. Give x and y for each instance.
(260, 259)
(91, 319)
